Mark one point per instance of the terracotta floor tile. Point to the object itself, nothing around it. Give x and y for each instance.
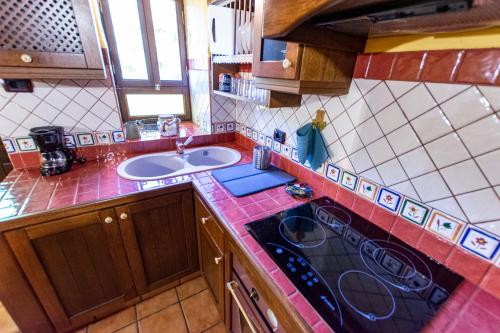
(7, 325)
(219, 328)
(169, 320)
(114, 322)
(191, 287)
(200, 312)
(156, 303)
(128, 329)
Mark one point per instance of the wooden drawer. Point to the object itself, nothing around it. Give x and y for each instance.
(209, 224)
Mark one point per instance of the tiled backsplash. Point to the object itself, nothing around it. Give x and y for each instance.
(428, 145)
(77, 105)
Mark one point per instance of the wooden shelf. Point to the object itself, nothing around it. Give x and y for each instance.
(275, 99)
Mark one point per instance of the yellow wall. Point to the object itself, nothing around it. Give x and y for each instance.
(485, 38)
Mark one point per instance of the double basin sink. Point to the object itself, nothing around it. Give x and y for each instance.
(170, 164)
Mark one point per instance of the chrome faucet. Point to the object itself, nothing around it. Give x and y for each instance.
(182, 145)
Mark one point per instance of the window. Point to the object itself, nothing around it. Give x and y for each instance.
(147, 46)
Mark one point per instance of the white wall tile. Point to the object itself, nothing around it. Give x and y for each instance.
(351, 142)
(33, 121)
(444, 91)
(336, 151)
(14, 113)
(41, 88)
(431, 187)
(329, 134)
(57, 99)
(378, 98)
(334, 108)
(480, 206)
(67, 122)
(416, 162)
(7, 127)
(398, 88)
(482, 136)
(380, 151)
(342, 124)
(345, 164)
(431, 125)
(492, 94)
(369, 131)
(391, 118)
(447, 150)
(406, 188)
(373, 175)
(416, 101)
(46, 112)
(459, 108)
(391, 172)
(491, 227)
(403, 140)
(360, 161)
(69, 88)
(26, 100)
(359, 112)
(365, 85)
(85, 99)
(464, 177)
(353, 95)
(490, 165)
(449, 206)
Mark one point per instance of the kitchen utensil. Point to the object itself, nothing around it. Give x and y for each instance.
(132, 130)
(168, 125)
(261, 157)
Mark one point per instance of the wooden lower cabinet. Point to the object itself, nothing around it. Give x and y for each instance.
(160, 239)
(86, 266)
(77, 266)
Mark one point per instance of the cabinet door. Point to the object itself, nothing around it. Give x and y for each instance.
(212, 265)
(160, 239)
(44, 35)
(273, 58)
(77, 267)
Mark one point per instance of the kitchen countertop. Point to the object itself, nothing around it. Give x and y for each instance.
(26, 192)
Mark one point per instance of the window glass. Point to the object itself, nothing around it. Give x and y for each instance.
(164, 13)
(127, 32)
(155, 104)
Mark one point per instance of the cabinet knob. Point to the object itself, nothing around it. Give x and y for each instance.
(123, 216)
(287, 63)
(26, 58)
(204, 220)
(108, 220)
(217, 260)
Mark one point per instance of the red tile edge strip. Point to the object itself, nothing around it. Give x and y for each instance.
(473, 66)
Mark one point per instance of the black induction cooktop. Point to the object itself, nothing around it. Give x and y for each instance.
(356, 275)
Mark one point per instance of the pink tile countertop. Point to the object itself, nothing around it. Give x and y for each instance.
(25, 192)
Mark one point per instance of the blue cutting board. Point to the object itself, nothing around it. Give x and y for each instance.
(244, 179)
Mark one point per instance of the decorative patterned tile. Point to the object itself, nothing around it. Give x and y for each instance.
(85, 139)
(237, 127)
(230, 127)
(445, 226)
(286, 150)
(118, 136)
(389, 199)
(269, 142)
(262, 138)
(349, 180)
(277, 146)
(367, 189)
(332, 172)
(69, 140)
(220, 128)
(480, 243)
(26, 144)
(103, 138)
(414, 211)
(249, 132)
(9, 146)
(255, 135)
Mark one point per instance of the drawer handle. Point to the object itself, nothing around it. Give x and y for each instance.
(108, 220)
(204, 220)
(26, 58)
(123, 216)
(231, 286)
(217, 260)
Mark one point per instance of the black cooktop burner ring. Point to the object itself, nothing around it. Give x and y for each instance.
(297, 244)
(370, 316)
(403, 276)
(337, 208)
(401, 286)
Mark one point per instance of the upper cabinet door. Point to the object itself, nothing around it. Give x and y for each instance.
(49, 39)
(273, 58)
(160, 239)
(77, 266)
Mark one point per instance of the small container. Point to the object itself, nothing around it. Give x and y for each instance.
(262, 157)
(225, 82)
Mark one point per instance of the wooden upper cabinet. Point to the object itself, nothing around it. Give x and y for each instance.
(160, 239)
(49, 39)
(295, 68)
(77, 267)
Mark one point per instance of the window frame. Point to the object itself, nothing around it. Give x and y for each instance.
(153, 85)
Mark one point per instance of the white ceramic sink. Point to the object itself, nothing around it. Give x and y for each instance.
(170, 164)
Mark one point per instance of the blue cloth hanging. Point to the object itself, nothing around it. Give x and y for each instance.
(310, 146)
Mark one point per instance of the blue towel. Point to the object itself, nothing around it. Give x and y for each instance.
(310, 146)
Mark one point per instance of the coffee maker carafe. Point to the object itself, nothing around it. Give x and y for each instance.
(55, 158)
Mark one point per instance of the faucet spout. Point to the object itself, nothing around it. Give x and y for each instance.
(182, 145)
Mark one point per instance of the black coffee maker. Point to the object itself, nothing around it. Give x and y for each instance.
(55, 157)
